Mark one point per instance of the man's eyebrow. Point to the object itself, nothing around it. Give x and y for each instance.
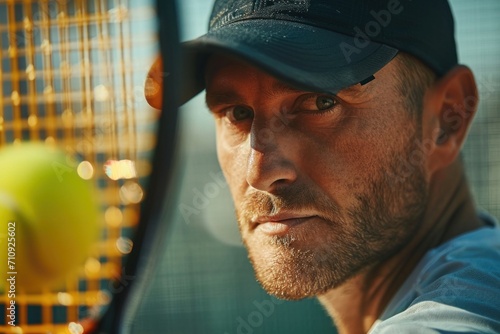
(354, 89)
(218, 98)
(230, 96)
(222, 96)
(283, 88)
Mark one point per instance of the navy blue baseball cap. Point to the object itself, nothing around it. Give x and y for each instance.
(322, 45)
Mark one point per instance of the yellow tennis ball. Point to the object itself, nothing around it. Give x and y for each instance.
(48, 215)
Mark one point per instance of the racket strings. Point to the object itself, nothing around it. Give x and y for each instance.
(72, 75)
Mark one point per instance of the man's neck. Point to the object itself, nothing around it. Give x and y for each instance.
(358, 303)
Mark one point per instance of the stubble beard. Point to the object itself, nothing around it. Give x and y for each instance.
(309, 263)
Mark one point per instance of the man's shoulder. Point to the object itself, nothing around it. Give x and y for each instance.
(454, 288)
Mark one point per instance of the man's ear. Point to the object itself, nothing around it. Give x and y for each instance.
(153, 87)
(451, 105)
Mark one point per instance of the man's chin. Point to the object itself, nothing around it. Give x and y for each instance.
(288, 272)
(291, 287)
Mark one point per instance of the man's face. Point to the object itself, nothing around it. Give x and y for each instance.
(323, 185)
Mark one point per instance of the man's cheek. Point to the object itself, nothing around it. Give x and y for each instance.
(237, 185)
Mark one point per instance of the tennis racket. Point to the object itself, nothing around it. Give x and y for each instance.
(73, 74)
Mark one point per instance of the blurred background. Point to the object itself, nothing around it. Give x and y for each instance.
(74, 59)
(205, 283)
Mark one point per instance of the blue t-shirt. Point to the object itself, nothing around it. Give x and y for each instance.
(455, 288)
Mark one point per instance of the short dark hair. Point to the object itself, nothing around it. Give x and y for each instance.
(414, 79)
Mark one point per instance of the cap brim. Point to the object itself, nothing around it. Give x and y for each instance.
(306, 57)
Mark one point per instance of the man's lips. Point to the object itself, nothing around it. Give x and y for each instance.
(281, 223)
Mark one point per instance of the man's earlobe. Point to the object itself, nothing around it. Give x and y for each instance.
(454, 100)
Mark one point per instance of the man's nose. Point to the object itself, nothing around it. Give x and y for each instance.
(271, 161)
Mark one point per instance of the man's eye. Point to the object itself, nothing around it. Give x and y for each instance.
(239, 113)
(324, 102)
(316, 103)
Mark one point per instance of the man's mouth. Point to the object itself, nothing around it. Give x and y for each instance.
(281, 223)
